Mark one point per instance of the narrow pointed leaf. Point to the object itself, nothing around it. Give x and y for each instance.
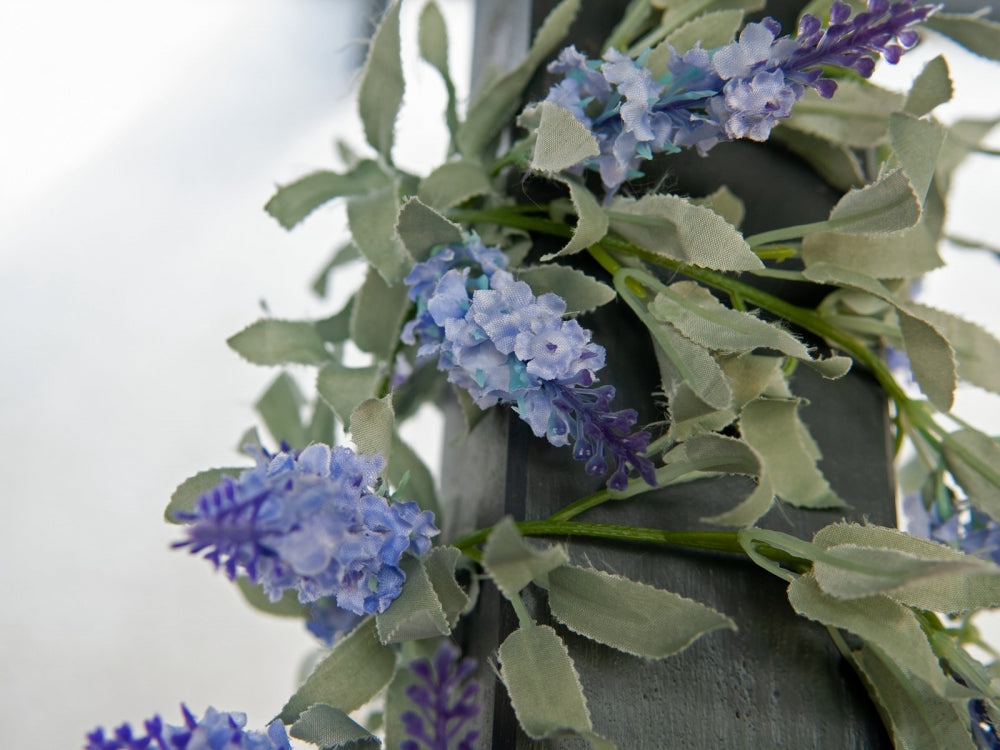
(279, 342)
(354, 672)
(561, 141)
(440, 565)
(976, 349)
(512, 563)
(976, 34)
(421, 229)
(627, 615)
(281, 409)
(835, 163)
(857, 116)
(372, 219)
(453, 183)
(886, 205)
(379, 312)
(382, 84)
(432, 41)
(974, 460)
(371, 427)
(591, 221)
(419, 480)
(582, 293)
(185, 497)
(343, 388)
(291, 203)
(332, 729)
(725, 203)
(416, 613)
(917, 144)
(685, 361)
(932, 87)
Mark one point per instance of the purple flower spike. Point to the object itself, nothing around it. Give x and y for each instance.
(445, 699)
(311, 521)
(740, 90)
(216, 730)
(504, 345)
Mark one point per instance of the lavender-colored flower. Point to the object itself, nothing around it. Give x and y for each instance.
(328, 622)
(953, 521)
(445, 699)
(740, 90)
(504, 345)
(217, 730)
(311, 521)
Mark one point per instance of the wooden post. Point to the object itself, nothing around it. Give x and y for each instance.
(779, 682)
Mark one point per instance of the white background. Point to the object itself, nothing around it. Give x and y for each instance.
(138, 141)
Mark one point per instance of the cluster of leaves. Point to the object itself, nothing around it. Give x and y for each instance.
(724, 371)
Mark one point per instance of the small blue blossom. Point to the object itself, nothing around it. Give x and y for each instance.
(328, 622)
(311, 521)
(740, 90)
(217, 730)
(445, 699)
(953, 522)
(504, 345)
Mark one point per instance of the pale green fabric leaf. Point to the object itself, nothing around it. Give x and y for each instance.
(891, 626)
(918, 718)
(432, 41)
(419, 480)
(396, 704)
(543, 683)
(917, 144)
(835, 163)
(416, 613)
(279, 342)
(931, 88)
(561, 141)
(453, 183)
(725, 203)
(497, 103)
(684, 361)
(857, 116)
(287, 606)
(627, 615)
(689, 415)
(332, 729)
(974, 460)
(962, 137)
(512, 563)
(711, 30)
(382, 85)
(371, 427)
(378, 315)
(976, 349)
(280, 407)
(677, 228)
(751, 375)
(755, 506)
(582, 293)
(421, 229)
(772, 427)
(976, 34)
(343, 388)
(322, 425)
(372, 220)
(886, 205)
(341, 256)
(291, 203)
(354, 673)
(591, 223)
(907, 254)
(337, 328)
(185, 497)
(440, 565)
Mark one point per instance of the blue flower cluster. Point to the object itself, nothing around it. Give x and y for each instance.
(446, 701)
(217, 730)
(740, 90)
(504, 345)
(956, 524)
(311, 521)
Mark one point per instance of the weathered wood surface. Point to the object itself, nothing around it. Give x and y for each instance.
(777, 683)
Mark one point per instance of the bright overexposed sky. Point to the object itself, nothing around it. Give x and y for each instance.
(138, 142)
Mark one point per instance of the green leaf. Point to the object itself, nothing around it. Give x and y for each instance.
(453, 183)
(582, 293)
(281, 409)
(432, 40)
(710, 30)
(857, 116)
(421, 229)
(543, 684)
(337, 328)
(725, 203)
(342, 256)
(440, 564)
(627, 615)
(682, 361)
(678, 229)
(963, 136)
(772, 427)
(977, 350)
(835, 163)
(886, 205)
(371, 427)
(354, 673)
(416, 613)
(591, 222)
(291, 203)
(974, 460)
(287, 606)
(185, 497)
(332, 729)
(420, 482)
(512, 563)
(378, 316)
(918, 718)
(382, 84)
(688, 415)
(882, 622)
(976, 34)
(931, 88)
(372, 219)
(279, 342)
(343, 388)
(561, 141)
(917, 144)
(497, 103)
